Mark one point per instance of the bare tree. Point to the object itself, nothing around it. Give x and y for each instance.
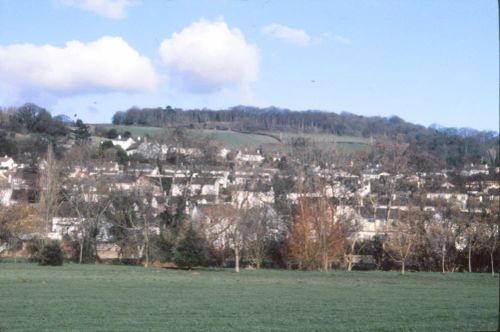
(350, 225)
(470, 230)
(261, 227)
(134, 221)
(392, 155)
(88, 200)
(224, 228)
(86, 197)
(489, 229)
(403, 236)
(49, 183)
(442, 228)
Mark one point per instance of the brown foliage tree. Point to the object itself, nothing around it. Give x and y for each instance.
(315, 238)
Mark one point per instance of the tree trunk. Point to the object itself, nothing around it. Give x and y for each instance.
(492, 266)
(443, 254)
(96, 252)
(325, 262)
(469, 258)
(402, 267)
(140, 250)
(146, 245)
(350, 256)
(236, 259)
(80, 259)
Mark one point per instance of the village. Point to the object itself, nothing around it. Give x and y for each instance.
(249, 165)
(369, 199)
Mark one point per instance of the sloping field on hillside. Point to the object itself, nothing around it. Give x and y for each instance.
(269, 140)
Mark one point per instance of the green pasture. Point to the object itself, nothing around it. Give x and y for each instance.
(270, 141)
(125, 298)
(134, 130)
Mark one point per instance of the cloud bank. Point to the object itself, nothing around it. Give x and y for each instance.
(208, 56)
(115, 9)
(290, 35)
(108, 63)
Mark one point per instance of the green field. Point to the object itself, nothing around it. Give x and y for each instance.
(123, 298)
(134, 130)
(237, 140)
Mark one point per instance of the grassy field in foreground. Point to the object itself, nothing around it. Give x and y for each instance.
(123, 298)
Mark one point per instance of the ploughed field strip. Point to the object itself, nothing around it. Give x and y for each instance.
(122, 298)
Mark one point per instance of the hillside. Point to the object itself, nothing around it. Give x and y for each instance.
(271, 141)
(273, 129)
(449, 147)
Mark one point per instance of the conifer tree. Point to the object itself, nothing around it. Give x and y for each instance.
(81, 133)
(190, 251)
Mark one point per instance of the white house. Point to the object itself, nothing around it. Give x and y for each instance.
(7, 163)
(124, 144)
(252, 158)
(250, 199)
(223, 153)
(63, 226)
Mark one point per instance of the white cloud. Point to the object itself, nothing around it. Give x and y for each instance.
(115, 9)
(342, 40)
(208, 56)
(108, 63)
(291, 35)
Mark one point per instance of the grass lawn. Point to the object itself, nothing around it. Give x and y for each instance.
(123, 298)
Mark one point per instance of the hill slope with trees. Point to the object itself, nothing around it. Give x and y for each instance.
(442, 147)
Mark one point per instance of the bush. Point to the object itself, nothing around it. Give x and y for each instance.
(106, 145)
(112, 133)
(190, 251)
(122, 156)
(51, 254)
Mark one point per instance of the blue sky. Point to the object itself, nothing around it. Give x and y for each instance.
(425, 61)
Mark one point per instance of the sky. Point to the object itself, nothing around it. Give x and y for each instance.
(428, 62)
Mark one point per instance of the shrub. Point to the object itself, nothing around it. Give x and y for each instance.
(106, 145)
(51, 254)
(112, 134)
(190, 251)
(122, 156)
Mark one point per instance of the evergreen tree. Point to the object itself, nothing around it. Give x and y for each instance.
(52, 254)
(122, 156)
(81, 133)
(190, 251)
